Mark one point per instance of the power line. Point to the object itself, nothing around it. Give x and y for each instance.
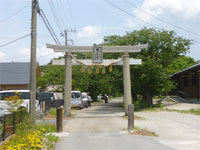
(15, 40)
(50, 29)
(55, 15)
(57, 4)
(15, 13)
(70, 11)
(65, 13)
(181, 28)
(13, 58)
(130, 14)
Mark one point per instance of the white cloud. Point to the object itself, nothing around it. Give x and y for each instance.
(187, 9)
(89, 31)
(44, 55)
(2, 56)
(90, 35)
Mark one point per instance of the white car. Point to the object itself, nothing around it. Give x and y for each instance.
(76, 100)
(99, 97)
(23, 94)
(85, 99)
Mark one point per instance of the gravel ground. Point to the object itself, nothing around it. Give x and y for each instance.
(99, 117)
(177, 130)
(102, 127)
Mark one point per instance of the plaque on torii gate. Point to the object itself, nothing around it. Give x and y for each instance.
(98, 60)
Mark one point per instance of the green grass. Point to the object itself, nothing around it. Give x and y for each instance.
(52, 112)
(97, 101)
(48, 127)
(135, 117)
(139, 107)
(155, 107)
(51, 140)
(191, 111)
(136, 128)
(143, 132)
(195, 111)
(1, 128)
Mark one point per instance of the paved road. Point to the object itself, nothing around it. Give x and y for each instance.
(102, 127)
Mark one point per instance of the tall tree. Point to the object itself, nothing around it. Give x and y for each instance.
(152, 76)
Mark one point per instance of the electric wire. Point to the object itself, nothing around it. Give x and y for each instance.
(178, 27)
(58, 8)
(70, 11)
(15, 40)
(55, 16)
(15, 13)
(65, 13)
(11, 58)
(131, 14)
(50, 29)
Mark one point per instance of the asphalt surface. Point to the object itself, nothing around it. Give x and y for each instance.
(108, 141)
(102, 127)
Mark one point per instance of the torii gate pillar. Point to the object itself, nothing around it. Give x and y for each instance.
(127, 82)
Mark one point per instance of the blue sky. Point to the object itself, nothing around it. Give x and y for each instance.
(93, 20)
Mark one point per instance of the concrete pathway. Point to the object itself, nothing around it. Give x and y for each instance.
(102, 127)
(108, 141)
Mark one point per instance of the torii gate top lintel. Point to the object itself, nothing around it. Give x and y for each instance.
(106, 49)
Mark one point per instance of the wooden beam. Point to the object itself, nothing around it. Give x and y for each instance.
(105, 62)
(106, 49)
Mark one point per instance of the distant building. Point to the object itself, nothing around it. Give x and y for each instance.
(15, 75)
(188, 82)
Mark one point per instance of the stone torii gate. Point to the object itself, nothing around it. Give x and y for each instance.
(97, 60)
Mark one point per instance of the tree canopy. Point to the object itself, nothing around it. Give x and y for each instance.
(164, 48)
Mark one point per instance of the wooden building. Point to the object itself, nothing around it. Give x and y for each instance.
(188, 82)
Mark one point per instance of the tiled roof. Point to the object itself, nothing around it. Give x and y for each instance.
(191, 67)
(15, 73)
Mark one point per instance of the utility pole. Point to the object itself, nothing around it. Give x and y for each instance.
(33, 64)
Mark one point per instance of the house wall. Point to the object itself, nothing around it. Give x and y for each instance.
(14, 87)
(189, 85)
(198, 85)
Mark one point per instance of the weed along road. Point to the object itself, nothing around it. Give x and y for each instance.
(103, 127)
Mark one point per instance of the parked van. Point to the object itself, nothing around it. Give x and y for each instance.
(85, 99)
(76, 100)
(23, 94)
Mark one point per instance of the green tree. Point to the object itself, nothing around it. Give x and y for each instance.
(152, 76)
(51, 75)
(180, 63)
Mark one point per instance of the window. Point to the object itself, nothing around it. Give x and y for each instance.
(75, 95)
(24, 95)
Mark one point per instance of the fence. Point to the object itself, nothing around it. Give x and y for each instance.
(8, 123)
